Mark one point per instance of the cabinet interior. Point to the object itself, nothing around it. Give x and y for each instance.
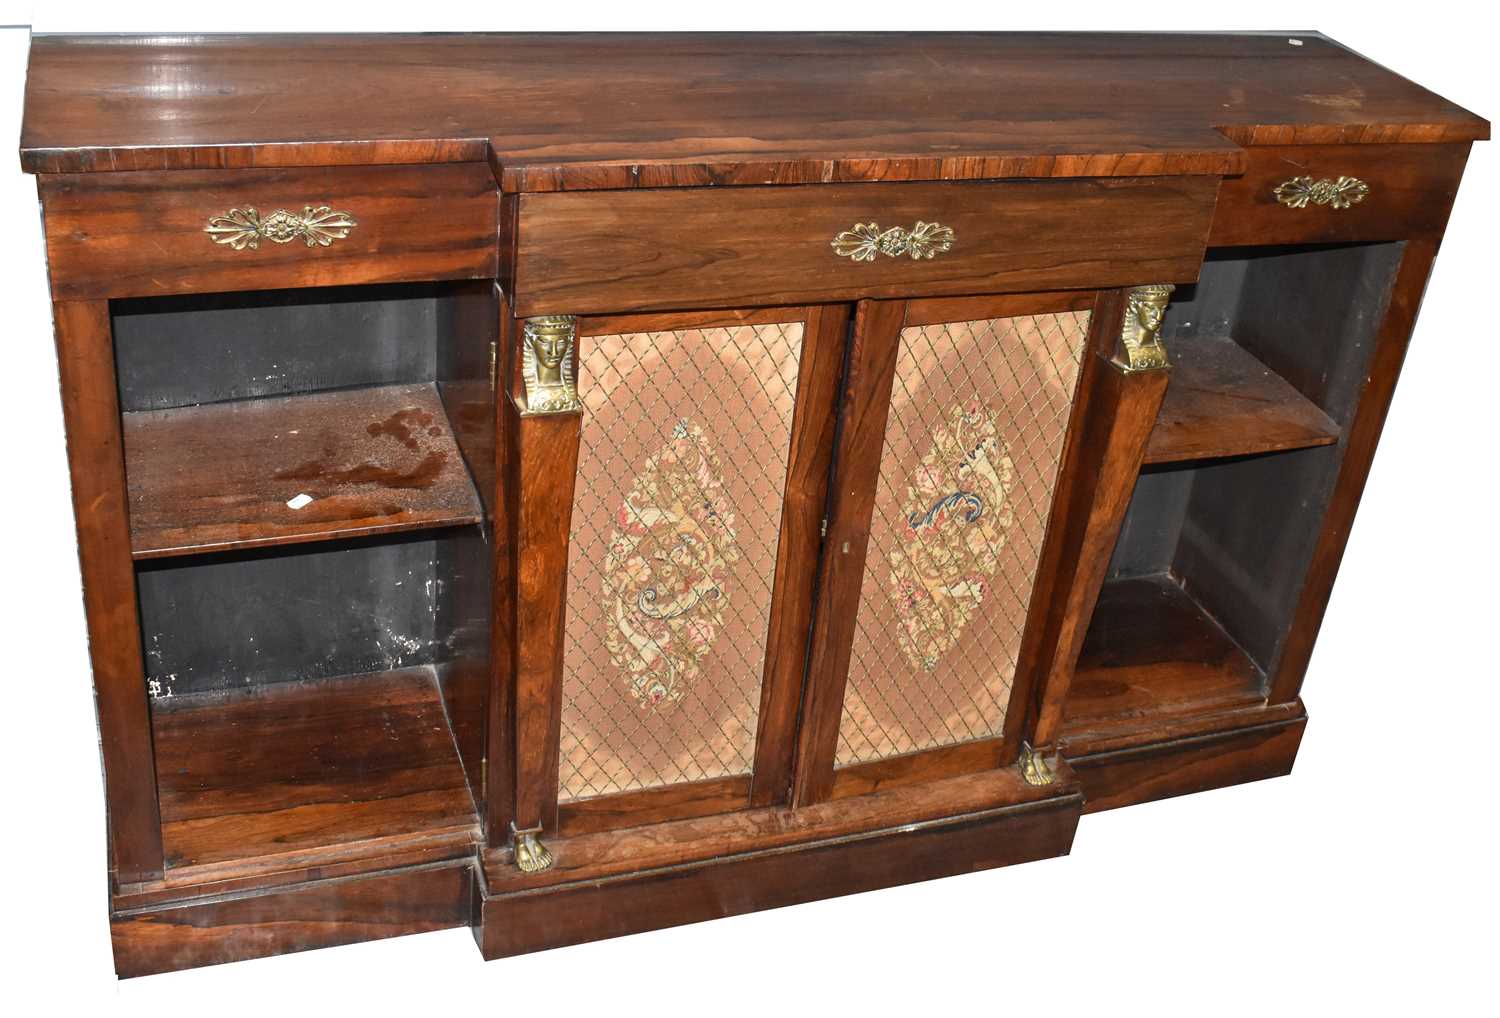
(324, 665)
(312, 563)
(1270, 352)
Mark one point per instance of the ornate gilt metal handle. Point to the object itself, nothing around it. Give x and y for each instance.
(866, 240)
(242, 228)
(1300, 192)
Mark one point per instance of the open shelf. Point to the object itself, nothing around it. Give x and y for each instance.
(1205, 588)
(1221, 401)
(220, 476)
(285, 773)
(1153, 651)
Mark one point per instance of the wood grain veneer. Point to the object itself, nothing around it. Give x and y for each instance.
(1221, 401)
(576, 112)
(749, 246)
(585, 174)
(746, 880)
(220, 476)
(1108, 443)
(142, 234)
(253, 780)
(310, 915)
(1159, 769)
(1152, 650)
(96, 461)
(1411, 190)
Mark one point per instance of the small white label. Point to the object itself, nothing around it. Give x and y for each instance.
(299, 501)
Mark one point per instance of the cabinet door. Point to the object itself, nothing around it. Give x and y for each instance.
(703, 458)
(954, 433)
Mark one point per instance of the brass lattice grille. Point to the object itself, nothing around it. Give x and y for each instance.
(681, 474)
(979, 414)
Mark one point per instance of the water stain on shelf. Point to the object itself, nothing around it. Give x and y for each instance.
(402, 423)
(423, 475)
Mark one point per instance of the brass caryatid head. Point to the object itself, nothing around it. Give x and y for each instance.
(1145, 307)
(547, 364)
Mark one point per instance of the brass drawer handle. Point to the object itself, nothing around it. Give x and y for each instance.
(242, 228)
(865, 240)
(1299, 192)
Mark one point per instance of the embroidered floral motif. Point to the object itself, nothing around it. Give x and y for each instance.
(957, 515)
(666, 571)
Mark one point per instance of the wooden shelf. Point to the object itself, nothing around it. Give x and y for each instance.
(1221, 401)
(291, 774)
(1152, 652)
(219, 476)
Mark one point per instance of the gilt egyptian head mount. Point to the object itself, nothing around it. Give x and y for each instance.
(1140, 335)
(548, 365)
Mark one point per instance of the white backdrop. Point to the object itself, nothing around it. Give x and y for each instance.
(1365, 881)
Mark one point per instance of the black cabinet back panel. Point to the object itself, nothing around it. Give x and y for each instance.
(228, 621)
(1238, 533)
(181, 351)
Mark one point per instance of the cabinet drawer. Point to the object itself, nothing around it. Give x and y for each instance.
(1308, 194)
(611, 251)
(155, 233)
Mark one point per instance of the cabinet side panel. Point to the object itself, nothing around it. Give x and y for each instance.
(681, 476)
(96, 461)
(1362, 434)
(978, 421)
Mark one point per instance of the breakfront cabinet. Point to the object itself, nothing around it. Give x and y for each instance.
(521, 487)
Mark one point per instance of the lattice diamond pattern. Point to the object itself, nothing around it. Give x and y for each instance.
(685, 440)
(945, 597)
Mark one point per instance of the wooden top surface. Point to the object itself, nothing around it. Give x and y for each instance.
(555, 112)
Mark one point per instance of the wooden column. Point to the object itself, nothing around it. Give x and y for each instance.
(538, 450)
(96, 460)
(1112, 421)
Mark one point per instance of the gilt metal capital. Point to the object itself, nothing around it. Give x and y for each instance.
(1140, 335)
(549, 365)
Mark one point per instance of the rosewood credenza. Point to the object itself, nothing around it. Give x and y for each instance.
(575, 485)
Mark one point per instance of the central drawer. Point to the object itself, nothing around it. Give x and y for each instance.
(608, 251)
